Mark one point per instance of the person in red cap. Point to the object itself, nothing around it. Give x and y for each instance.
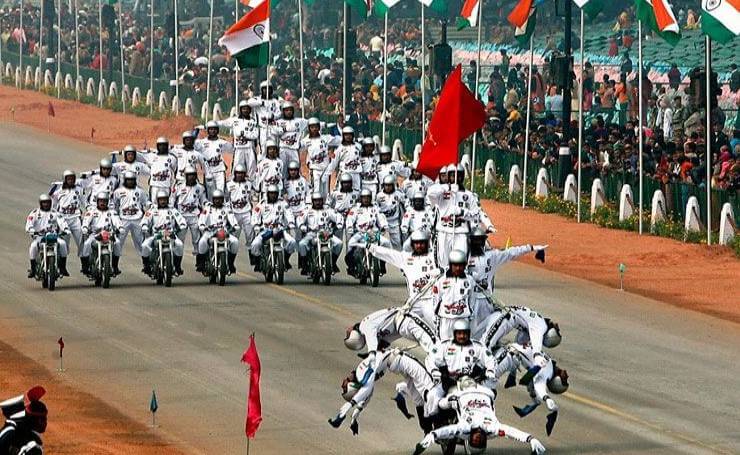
(25, 421)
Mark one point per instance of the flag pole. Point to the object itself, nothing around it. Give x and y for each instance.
(708, 71)
(639, 114)
(385, 74)
(526, 126)
(41, 38)
(177, 55)
(236, 64)
(423, 76)
(78, 86)
(580, 126)
(208, 78)
(477, 82)
(300, 50)
(120, 45)
(59, 49)
(20, 45)
(344, 63)
(100, 46)
(151, 51)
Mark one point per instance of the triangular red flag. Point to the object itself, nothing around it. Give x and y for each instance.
(457, 116)
(254, 404)
(60, 342)
(51, 110)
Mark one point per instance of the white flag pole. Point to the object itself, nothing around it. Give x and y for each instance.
(177, 55)
(477, 84)
(300, 50)
(385, 74)
(344, 62)
(20, 44)
(78, 86)
(526, 126)
(120, 45)
(639, 114)
(708, 71)
(580, 126)
(41, 39)
(236, 64)
(59, 49)
(208, 78)
(423, 77)
(100, 46)
(151, 51)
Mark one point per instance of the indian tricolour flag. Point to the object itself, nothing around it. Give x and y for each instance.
(439, 6)
(248, 41)
(524, 18)
(367, 7)
(720, 19)
(658, 15)
(468, 14)
(590, 7)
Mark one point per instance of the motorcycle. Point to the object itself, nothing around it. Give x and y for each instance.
(162, 259)
(101, 259)
(272, 260)
(47, 270)
(320, 262)
(217, 267)
(367, 266)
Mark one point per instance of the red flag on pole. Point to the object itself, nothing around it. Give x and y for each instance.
(457, 116)
(254, 405)
(51, 110)
(60, 342)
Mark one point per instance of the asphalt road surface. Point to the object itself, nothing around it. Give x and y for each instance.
(646, 377)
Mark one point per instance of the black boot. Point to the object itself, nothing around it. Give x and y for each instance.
(424, 422)
(348, 260)
(116, 270)
(178, 265)
(303, 264)
(200, 262)
(383, 271)
(287, 262)
(230, 259)
(85, 261)
(334, 268)
(147, 265)
(258, 263)
(252, 259)
(32, 270)
(62, 262)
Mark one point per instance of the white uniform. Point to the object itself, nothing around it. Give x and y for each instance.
(39, 223)
(213, 156)
(390, 324)
(342, 203)
(137, 167)
(394, 169)
(455, 210)
(130, 204)
(267, 112)
(460, 360)
(69, 203)
(361, 220)
(410, 186)
(246, 134)
(189, 200)
(162, 173)
(269, 172)
(369, 173)
(313, 221)
(347, 160)
(273, 216)
(508, 360)
(187, 158)
(157, 220)
(296, 193)
(94, 222)
(391, 205)
(453, 300)
(239, 197)
(318, 160)
(95, 183)
(531, 326)
(415, 220)
(290, 131)
(212, 219)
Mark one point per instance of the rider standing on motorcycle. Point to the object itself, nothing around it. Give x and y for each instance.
(296, 193)
(290, 130)
(317, 146)
(267, 109)
(270, 169)
(361, 220)
(217, 216)
(102, 181)
(130, 163)
(457, 174)
(189, 198)
(270, 215)
(311, 224)
(213, 148)
(452, 294)
(246, 133)
(96, 220)
(343, 199)
(347, 158)
(68, 199)
(162, 168)
(42, 221)
(239, 196)
(417, 217)
(158, 220)
(187, 156)
(390, 201)
(386, 166)
(369, 165)
(130, 202)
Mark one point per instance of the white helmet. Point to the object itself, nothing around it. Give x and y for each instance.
(105, 163)
(443, 170)
(240, 168)
(389, 180)
(129, 148)
(102, 196)
(317, 195)
(385, 150)
(348, 130)
(128, 175)
(187, 134)
(162, 140)
(43, 197)
(458, 257)
(270, 143)
(478, 232)
(272, 189)
(216, 193)
(368, 141)
(163, 194)
(313, 121)
(354, 340)
(286, 105)
(68, 173)
(189, 170)
(557, 384)
(455, 168)
(461, 324)
(263, 84)
(552, 337)
(366, 192)
(420, 235)
(211, 124)
(418, 195)
(345, 177)
(294, 165)
(243, 103)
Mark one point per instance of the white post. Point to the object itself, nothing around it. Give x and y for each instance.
(41, 38)
(59, 47)
(177, 59)
(77, 51)
(300, 50)
(708, 71)
(639, 122)
(208, 78)
(344, 62)
(151, 51)
(477, 82)
(20, 43)
(100, 46)
(236, 64)
(385, 75)
(526, 126)
(423, 77)
(120, 45)
(580, 127)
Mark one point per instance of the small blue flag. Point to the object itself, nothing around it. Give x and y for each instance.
(153, 406)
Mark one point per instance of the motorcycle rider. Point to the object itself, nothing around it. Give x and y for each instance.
(417, 182)
(213, 148)
(189, 198)
(40, 222)
(267, 109)
(387, 166)
(99, 181)
(347, 158)
(452, 295)
(217, 216)
(456, 175)
(130, 202)
(289, 130)
(531, 327)
(239, 196)
(187, 155)
(98, 219)
(296, 192)
(270, 215)
(318, 218)
(245, 130)
(131, 162)
(343, 199)
(417, 216)
(390, 202)
(317, 147)
(162, 168)
(68, 198)
(160, 219)
(369, 165)
(270, 168)
(361, 220)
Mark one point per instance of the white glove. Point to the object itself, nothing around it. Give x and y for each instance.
(345, 409)
(551, 405)
(427, 441)
(539, 247)
(536, 446)
(491, 230)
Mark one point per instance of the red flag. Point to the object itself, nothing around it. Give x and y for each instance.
(457, 116)
(60, 342)
(254, 405)
(51, 110)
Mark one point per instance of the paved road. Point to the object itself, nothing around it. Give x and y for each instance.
(646, 377)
